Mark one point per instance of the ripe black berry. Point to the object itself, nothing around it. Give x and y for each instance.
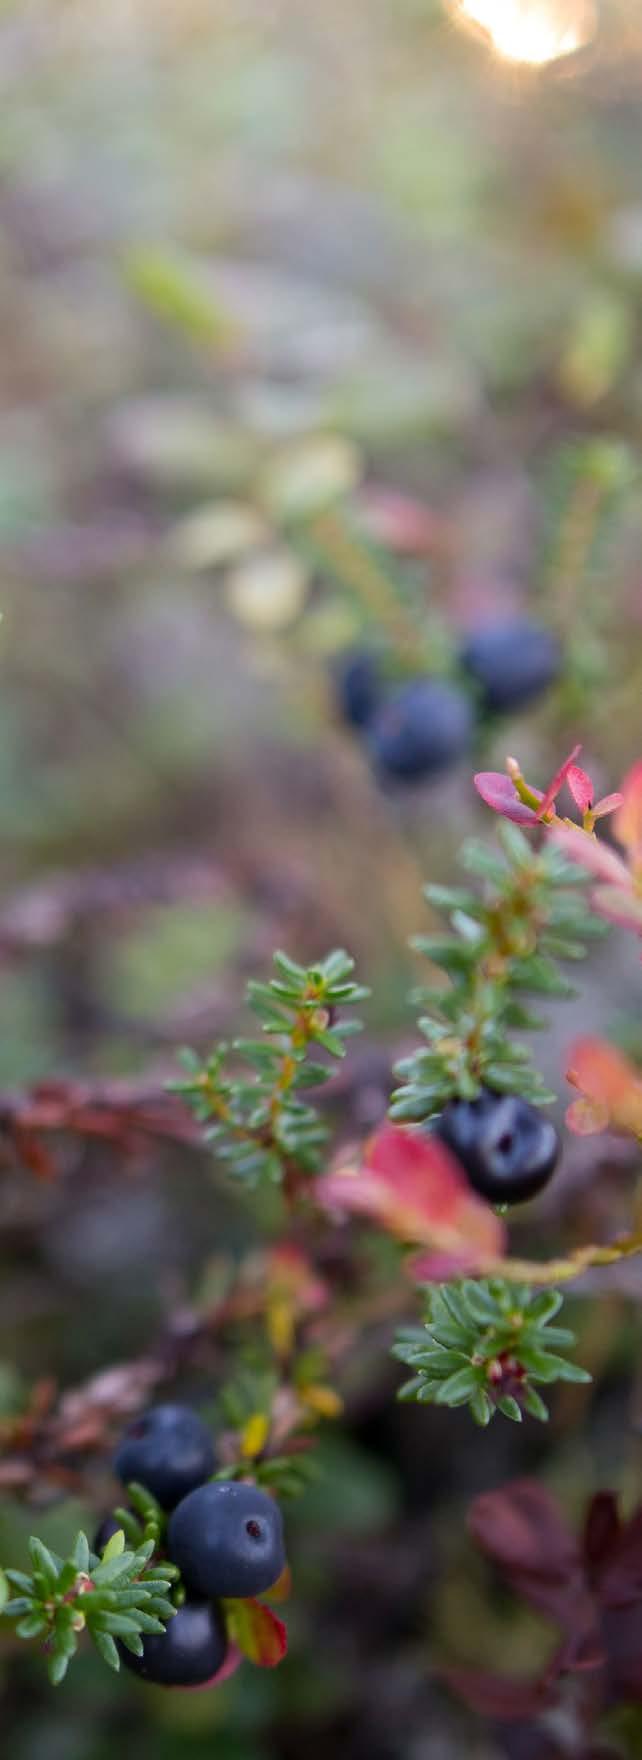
(227, 1539)
(513, 659)
(420, 730)
(169, 1450)
(358, 687)
(508, 1150)
(190, 1651)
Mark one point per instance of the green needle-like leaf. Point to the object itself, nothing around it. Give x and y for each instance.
(488, 1351)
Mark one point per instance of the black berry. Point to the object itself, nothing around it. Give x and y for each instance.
(169, 1450)
(227, 1539)
(513, 660)
(190, 1651)
(358, 687)
(421, 729)
(508, 1150)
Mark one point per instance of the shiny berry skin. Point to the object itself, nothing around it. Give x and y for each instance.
(169, 1450)
(227, 1539)
(513, 660)
(358, 687)
(508, 1150)
(420, 730)
(188, 1654)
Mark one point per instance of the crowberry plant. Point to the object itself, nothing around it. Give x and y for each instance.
(173, 1584)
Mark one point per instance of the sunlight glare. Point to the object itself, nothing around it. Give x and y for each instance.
(532, 31)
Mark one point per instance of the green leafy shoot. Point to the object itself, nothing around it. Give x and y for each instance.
(117, 1599)
(487, 1345)
(503, 946)
(248, 1095)
(285, 1475)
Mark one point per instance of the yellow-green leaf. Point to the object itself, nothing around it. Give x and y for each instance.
(257, 1632)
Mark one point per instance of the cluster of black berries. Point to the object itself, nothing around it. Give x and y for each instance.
(420, 728)
(225, 1536)
(507, 1148)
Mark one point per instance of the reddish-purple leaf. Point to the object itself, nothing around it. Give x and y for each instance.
(498, 792)
(494, 1695)
(608, 804)
(601, 1531)
(522, 1528)
(621, 1577)
(565, 1600)
(583, 1649)
(622, 1627)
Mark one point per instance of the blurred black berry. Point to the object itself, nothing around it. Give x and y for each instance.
(507, 1148)
(420, 730)
(513, 660)
(169, 1450)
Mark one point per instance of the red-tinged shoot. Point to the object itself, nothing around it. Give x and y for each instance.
(509, 794)
(618, 894)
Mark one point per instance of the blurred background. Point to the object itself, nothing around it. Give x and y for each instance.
(319, 328)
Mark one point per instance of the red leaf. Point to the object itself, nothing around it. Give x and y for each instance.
(257, 1632)
(411, 1185)
(609, 1083)
(498, 791)
(560, 777)
(31, 1150)
(581, 788)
